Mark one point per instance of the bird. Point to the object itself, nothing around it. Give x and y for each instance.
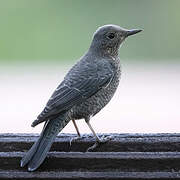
(86, 89)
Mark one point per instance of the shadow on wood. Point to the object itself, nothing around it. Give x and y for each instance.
(125, 156)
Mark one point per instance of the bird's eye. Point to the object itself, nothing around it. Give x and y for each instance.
(111, 35)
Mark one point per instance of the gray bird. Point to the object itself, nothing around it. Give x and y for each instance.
(86, 89)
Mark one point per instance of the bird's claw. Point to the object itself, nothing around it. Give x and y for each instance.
(98, 143)
(75, 139)
(91, 148)
(105, 139)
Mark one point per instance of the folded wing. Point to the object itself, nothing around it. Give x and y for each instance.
(80, 83)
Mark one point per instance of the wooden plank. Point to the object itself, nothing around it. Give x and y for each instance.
(99, 161)
(126, 156)
(118, 142)
(88, 175)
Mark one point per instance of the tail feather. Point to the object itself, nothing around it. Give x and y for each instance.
(41, 153)
(33, 149)
(38, 152)
(30, 153)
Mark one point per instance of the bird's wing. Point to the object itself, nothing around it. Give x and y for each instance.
(80, 83)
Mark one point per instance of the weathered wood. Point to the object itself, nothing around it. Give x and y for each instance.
(118, 143)
(99, 161)
(126, 156)
(80, 175)
(16, 175)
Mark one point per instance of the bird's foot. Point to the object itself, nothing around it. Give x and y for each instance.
(98, 143)
(75, 139)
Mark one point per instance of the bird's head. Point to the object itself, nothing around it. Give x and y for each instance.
(107, 39)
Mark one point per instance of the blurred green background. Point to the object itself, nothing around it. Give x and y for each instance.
(61, 30)
(41, 39)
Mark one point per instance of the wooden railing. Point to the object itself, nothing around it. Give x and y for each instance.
(125, 156)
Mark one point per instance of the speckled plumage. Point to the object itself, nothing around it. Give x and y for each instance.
(86, 89)
(96, 102)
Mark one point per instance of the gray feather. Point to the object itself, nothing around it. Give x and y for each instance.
(39, 150)
(33, 149)
(76, 89)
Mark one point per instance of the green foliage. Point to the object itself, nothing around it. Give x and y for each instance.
(32, 30)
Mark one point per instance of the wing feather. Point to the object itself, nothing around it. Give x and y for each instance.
(79, 84)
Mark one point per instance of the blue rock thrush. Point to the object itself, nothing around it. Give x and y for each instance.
(86, 89)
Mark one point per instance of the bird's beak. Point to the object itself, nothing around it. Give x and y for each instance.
(132, 32)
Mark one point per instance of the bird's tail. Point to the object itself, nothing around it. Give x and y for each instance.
(38, 152)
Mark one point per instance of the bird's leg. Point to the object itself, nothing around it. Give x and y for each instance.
(98, 140)
(78, 133)
(92, 130)
(76, 127)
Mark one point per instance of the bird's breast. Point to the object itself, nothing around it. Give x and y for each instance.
(99, 100)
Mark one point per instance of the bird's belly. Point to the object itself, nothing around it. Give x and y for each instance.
(96, 102)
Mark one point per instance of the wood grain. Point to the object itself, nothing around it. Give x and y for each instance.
(125, 156)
